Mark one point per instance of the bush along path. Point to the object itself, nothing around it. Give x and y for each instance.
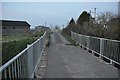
(15, 45)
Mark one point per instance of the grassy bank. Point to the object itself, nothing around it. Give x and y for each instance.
(14, 44)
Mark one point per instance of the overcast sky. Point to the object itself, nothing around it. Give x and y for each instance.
(55, 13)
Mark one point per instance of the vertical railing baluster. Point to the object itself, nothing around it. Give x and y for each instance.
(9, 70)
(26, 66)
(12, 70)
(88, 41)
(20, 62)
(15, 69)
(5, 73)
(30, 61)
(1, 75)
(18, 68)
(101, 47)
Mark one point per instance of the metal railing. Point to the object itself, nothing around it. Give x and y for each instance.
(105, 48)
(24, 64)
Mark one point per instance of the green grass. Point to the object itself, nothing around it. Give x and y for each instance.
(10, 49)
(14, 44)
(13, 38)
(9, 38)
(69, 39)
(48, 39)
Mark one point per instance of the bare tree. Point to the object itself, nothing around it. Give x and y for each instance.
(108, 22)
(103, 18)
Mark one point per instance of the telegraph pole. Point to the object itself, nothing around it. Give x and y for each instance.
(89, 23)
(45, 24)
(62, 26)
(95, 13)
(90, 12)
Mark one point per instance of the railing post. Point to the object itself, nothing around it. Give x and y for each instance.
(80, 39)
(18, 71)
(101, 47)
(1, 76)
(88, 41)
(119, 74)
(30, 61)
(71, 35)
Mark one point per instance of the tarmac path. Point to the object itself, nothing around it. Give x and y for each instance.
(67, 61)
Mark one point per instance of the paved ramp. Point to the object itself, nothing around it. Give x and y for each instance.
(67, 61)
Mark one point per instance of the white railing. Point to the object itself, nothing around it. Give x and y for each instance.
(104, 48)
(24, 64)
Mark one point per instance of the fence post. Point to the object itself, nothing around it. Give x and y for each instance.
(30, 61)
(101, 47)
(80, 39)
(88, 41)
(119, 74)
(71, 35)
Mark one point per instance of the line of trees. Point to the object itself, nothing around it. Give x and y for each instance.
(105, 25)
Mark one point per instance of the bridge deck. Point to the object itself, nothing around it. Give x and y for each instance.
(67, 61)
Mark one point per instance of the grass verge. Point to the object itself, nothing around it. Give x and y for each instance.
(69, 39)
(14, 44)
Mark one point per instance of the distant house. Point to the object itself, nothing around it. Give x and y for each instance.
(42, 28)
(14, 27)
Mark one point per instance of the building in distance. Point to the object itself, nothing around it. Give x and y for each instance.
(14, 27)
(42, 28)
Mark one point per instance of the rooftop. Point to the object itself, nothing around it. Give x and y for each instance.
(14, 23)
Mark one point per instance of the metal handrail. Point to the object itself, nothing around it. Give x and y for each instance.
(12, 60)
(106, 48)
(19, 64)
(97, 37)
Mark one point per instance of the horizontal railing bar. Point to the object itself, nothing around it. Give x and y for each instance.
(97, 37)
(12, 60)
(37, 40)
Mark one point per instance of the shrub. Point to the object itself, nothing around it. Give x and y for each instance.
(12, 48)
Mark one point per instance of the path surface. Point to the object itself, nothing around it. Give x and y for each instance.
(67, 61)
